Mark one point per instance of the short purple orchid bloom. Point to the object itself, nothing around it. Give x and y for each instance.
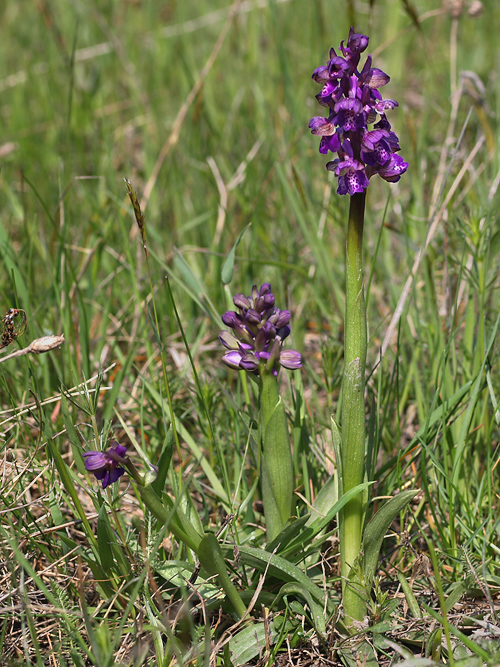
(354, 103)
(107, 466)
(258, 331)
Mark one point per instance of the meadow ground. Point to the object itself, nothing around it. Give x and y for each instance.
(204, 107)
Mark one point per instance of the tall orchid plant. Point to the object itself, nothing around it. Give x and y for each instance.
(357, 130)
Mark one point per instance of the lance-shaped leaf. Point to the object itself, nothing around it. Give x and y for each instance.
(278, 567)
(376, 529)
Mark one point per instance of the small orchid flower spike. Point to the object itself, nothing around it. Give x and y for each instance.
(258, 330)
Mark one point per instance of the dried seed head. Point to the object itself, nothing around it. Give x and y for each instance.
(45, 344)
(475, 8)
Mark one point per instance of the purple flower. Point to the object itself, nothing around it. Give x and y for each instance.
(351, 175)
(354, 103)
(392, 170)
(107, 466)
(290, 359)
(376, 147)
(258, 330)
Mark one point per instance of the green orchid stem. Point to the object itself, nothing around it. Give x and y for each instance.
(206, 547)
(353, 412)
(178, 523)
(276, 464)
(212, 560)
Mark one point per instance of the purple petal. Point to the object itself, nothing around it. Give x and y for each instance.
(351, 104)
(375, 147)
(321, 74)
(104, 476)
(116, 453)
(356, 182)
(269, 330)
(284, 332)
(378, 78)
(263, 336)
(321, 126)
(253, 317)
(365, 72)
(249, 362)
(337, 66)
(383, 105)
(114, 476)
(94, 460)
(241, 301)
(228, 340)
(231, 319)
(232, 359)
(352, 177)
(356, 42)
(328, 89)
(108, 479)
(329, 144)
(282, 319)
(266, 302)
(291, 359)
(394, 169)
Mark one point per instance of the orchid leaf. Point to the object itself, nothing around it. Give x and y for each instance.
(361, 654)
(317, 610)
(251, 641)
(325, 500)
(291, 540)
(376, 529)
(409, 595)
(110, 553)
(212, 560)
(276, 566)
(164, 462)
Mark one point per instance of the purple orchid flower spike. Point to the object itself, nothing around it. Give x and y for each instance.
(258, 330)
(107, 466)
(354, 103)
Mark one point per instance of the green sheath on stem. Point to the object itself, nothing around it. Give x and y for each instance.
(353, 410)
(277, 465)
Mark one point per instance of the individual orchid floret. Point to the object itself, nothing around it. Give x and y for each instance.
(351, 175)
(376, 147)
(107, 466)
(354, 104)
(393, 169)
(258, 329)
